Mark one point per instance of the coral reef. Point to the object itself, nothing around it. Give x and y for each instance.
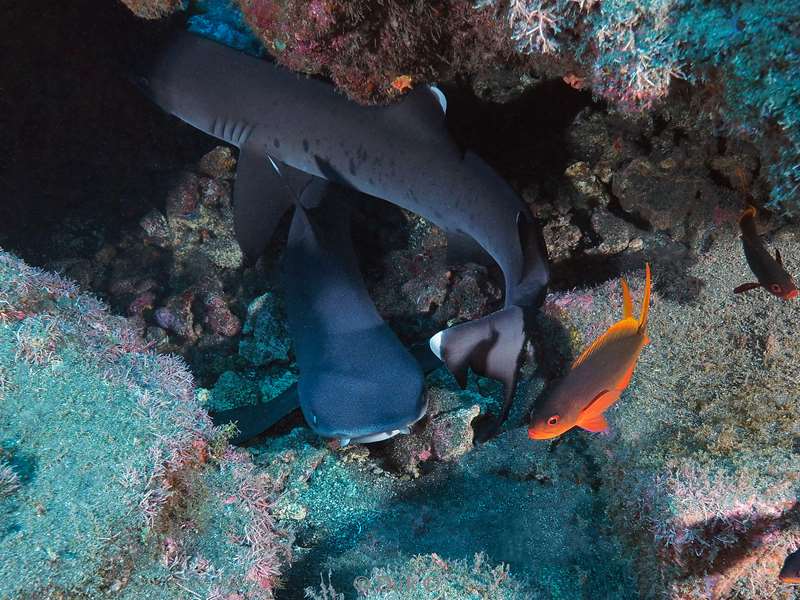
(120, 482)
(430, 576)
(376, 51)
(699, 475)
(743, 56)
(154, 9)
(517, 503)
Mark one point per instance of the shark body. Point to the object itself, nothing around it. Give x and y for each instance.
(291, 129)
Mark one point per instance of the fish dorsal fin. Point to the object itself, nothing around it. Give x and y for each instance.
(594, 424)
(645, 299)
(620, 329)
(778, 257)
(627, 303)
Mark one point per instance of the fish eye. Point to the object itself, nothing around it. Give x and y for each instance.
(776, 288)
(553, 420)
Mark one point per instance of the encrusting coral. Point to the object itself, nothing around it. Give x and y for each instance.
(742, 56)
(431, 576)
(699, 474)
(113, 478)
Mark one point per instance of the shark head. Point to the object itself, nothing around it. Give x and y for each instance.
(170, 77)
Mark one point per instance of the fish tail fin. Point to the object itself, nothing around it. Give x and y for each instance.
(627, 303)
(645, 300)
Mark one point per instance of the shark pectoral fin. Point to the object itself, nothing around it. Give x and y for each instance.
(253, 420)
(461, 248)
(594, 424)
(746, 287)
(260, 198)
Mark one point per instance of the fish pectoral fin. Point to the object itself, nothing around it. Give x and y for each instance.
(778, 257)
(260, 198)
(619, 329)
(594, 424)
(746, 287)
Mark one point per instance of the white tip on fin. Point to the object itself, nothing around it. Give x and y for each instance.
(274, 166)
(436, 345)
(440, 97)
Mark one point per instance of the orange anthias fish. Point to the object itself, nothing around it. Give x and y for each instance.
(597, 377)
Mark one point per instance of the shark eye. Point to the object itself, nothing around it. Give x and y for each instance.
(553, 420)
(775, 288)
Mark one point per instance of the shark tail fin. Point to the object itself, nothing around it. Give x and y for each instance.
(491, 347)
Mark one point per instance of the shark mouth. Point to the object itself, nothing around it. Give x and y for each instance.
(383, 435)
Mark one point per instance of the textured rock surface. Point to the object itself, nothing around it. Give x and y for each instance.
(120, 485)
(700, 471)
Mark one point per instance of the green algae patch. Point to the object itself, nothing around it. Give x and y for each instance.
(119, 484)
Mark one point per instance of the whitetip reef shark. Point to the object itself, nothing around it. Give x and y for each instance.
(291, 129)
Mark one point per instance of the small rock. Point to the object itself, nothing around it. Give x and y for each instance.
(266, 339)
(452, 433)
(184, 197)
(177, 315)
(219, 318)
(738, 171)
(232, 391)
(666, 199)
(616, 233)
(156, 229)
(561, 237)
(142, 303)
(218, 163)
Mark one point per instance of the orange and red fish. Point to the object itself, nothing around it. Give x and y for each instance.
(790, 572)
(598, 376)
(769, 271)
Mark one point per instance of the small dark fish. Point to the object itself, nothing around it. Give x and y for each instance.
(768, 270)
(790, 572)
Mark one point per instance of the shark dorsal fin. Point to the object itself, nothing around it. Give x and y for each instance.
(439, 96)
(422, 111)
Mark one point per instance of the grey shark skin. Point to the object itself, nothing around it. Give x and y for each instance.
(253, 420)
(401, 153)
(357, 380)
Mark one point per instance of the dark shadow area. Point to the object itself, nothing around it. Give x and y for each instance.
(522, 138)
(82, 147)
